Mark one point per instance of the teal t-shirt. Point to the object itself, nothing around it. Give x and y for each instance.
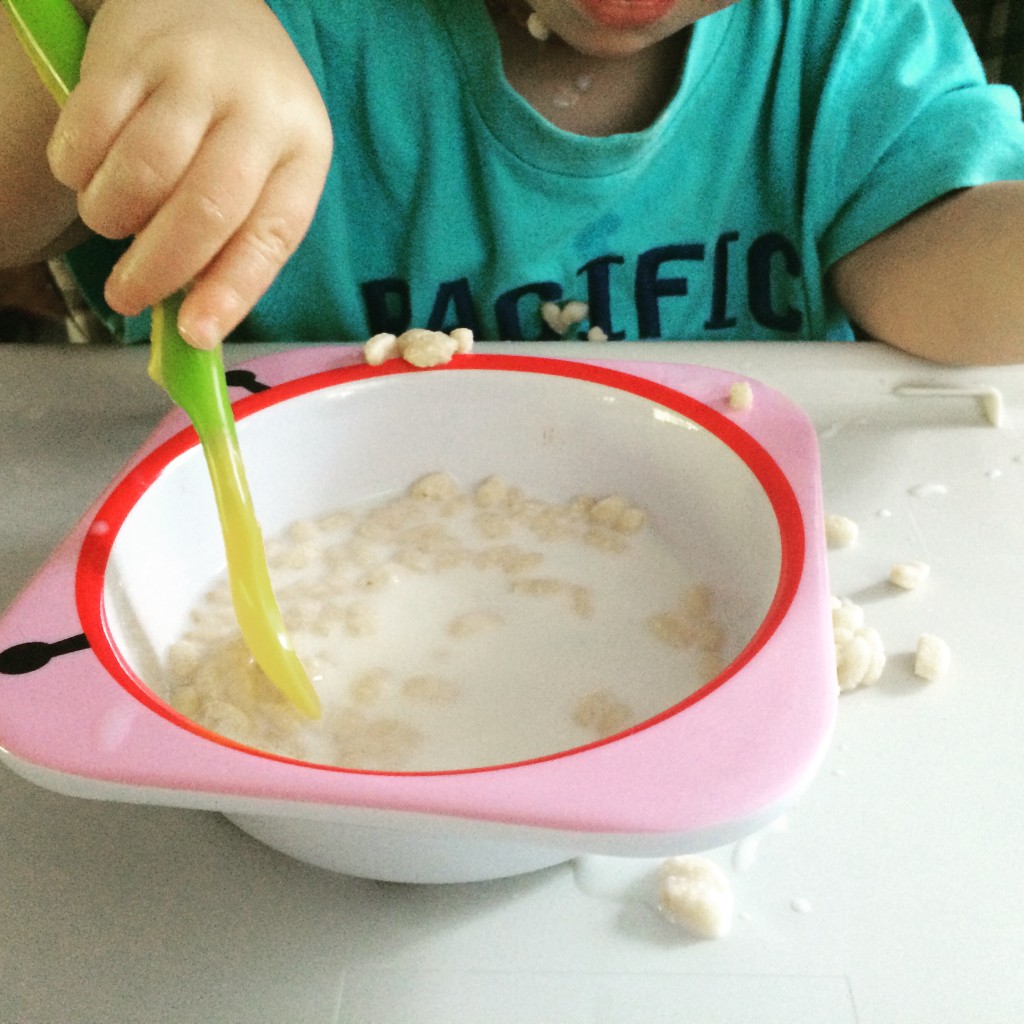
(799, 130)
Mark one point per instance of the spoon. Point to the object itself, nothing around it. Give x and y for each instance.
(53, 35)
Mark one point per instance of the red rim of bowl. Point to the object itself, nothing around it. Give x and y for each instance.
(96, 550)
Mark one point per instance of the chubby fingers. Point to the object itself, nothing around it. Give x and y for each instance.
(232, 220)
(233, 280)
(126, 160)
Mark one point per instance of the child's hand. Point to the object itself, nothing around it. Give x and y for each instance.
(198, 129)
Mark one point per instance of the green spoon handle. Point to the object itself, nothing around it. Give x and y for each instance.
(52, 33)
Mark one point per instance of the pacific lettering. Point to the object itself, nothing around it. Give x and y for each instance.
(663, 277)
(650, 287)
(760, 262)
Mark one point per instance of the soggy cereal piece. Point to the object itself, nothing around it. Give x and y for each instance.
(371, 530)
(365, 552)
(427, 536)
(691, 624)
(463, 338)
(490, 492)
(396, 514)
(697, 601)
(377, 578)
(372, 743)
(299, 612)
(183, 660)
(454, 507)
(741, 396)
(696, 893)
(509, 558)
(415, 558)
(360, 619)
(709, 636)
(515, 499)
(602, 714)
(435, 487)
(335, 522)
(186, 699)
(214, 613)
(840, 531)
(368, 687)
(581, 504)
(932, 657)
(380, 348)
(300, 556)
(538, 586)
(227, 719)
(430, 689)
(472, 623)
(909, 575)
(602, 538)
(425, 348)
(275, 549)
(302, 531)
(494, 525)
(672, 628)
(608, 510)
(553, 522)
(631, 520)
(582, 601)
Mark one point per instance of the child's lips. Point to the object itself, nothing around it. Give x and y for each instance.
(626, 13)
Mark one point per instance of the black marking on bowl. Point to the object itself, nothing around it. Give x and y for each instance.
(36, 654)
(245, 379)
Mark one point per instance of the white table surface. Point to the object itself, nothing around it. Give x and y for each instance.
(892, 894)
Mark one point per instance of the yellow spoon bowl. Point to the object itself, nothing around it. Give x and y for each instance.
(53, 35)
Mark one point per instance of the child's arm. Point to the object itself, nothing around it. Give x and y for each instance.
(948, 282)
(196, 128)
(37, 215)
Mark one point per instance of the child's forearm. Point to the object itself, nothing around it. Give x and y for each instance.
(197, 129)
(34, 209)
(948, 282)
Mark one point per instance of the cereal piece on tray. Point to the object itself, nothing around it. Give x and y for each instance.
(860, 653)
(840, 531)
(909, 575)
(932, 657)
(696, 893)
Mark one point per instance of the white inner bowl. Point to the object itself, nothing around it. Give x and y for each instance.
(322, 448)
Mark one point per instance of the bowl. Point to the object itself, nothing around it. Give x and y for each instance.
(568, 736)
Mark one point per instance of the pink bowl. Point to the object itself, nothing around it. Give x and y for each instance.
(712, 766)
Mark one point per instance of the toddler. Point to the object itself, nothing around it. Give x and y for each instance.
(688, 169)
